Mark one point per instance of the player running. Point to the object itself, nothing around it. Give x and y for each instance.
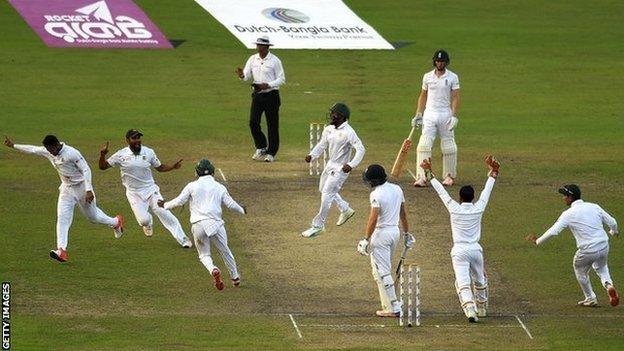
(467, 253)
(341, 139)
(585, 221)
(76, 190)
(135, 162)
(206, 196)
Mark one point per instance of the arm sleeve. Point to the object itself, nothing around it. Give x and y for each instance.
(154, 161)
(180, 200)
(608, 220)
(455, 83)
(114, 160)
(31, 149)
(485, 194)
(424, 83)
(84, 168)
(247, 70)
(560, 224)
(374, 202)
(280, 77)
(229, 202)
(359, 150)
(444, 196)
(319, 148)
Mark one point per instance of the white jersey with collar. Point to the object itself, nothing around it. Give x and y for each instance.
(340, 141)
(206, 196)
(388, 197)
(585, 220)
(439, 90)
(265, 70)
(69, 163)
(465, 217)
(136, 172)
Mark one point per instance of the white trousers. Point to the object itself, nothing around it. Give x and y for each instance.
(598, 261)
(69, 197)
(469, 273)
(382, 245)
(206, 233)
(436, 123)
(142, 202)
(330, 185)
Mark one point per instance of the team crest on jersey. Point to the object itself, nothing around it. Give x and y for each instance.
(446, 82)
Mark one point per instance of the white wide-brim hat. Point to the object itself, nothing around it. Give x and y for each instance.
(264, 40)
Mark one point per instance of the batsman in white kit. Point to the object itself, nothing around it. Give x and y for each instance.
(340, 138)
(436, 113)
(135, 162)
(206, 196)
(76, 189)
(467, 253)
(585, 220)
(387, 213)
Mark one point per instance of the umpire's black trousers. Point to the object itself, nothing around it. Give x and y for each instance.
(269, 103)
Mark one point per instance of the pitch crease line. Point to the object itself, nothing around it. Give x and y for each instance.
(524, 327)
(292, 319)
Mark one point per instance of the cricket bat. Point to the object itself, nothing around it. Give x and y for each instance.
(402, 156)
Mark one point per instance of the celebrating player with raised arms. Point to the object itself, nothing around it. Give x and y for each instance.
(467, 253)
(75, 190)
(135, 162)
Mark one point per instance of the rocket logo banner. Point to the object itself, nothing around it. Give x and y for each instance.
(91, 24)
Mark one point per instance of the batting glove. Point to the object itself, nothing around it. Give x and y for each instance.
(408, 240)
(417, 121)
(614, 232)
(362, 247)
(452, 123)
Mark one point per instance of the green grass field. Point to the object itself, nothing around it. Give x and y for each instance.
(541, 89)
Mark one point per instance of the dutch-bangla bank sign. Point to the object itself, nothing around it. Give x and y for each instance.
(296, 24)
(93, 24)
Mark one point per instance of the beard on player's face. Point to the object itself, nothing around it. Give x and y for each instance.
(134, 144)
(440, 65)
(335, 119)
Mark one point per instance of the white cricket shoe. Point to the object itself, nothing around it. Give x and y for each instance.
(471, 313)
(258, 154)
(186, 244)
(269, 158)
(389, 314)
(312, 231)
(344, 216)
(589, 302)
(420, 183)
(119, 227)
(147, 229)
(448, 181)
